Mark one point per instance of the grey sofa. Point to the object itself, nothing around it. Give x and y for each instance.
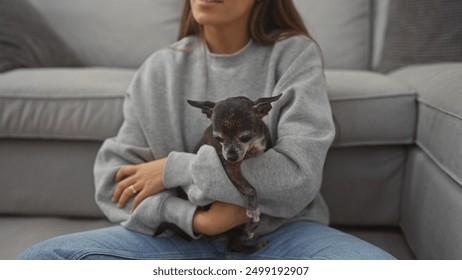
(393, 176)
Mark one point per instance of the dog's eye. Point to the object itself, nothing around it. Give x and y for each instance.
(245, 138)
(219, 139)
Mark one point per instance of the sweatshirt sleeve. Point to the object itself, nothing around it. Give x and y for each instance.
(288, 176)
(130, 147)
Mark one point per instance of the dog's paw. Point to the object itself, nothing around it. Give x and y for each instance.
(254, 215)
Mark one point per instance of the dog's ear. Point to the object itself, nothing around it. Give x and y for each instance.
(206, 106)
(263, 105)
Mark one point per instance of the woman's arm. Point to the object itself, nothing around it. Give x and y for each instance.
(219, 218)
(138, 182)
(126, 160)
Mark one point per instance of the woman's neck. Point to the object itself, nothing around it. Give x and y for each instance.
(226, 40)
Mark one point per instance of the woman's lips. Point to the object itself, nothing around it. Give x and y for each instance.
(210, 2)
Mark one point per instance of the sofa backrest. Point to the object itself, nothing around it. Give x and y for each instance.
(342, 29)
(120, 33)
(380, 25)
(124, 33)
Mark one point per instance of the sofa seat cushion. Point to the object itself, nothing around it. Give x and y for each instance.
(65, 103)
(371, 109)
(439, 129)
(86, 104)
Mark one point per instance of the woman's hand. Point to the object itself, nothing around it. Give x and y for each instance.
(139, 181)
(220, 218)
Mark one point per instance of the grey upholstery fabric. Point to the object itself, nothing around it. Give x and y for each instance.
(431, 199)
(438, 85)
(371, 109)
(27, 41)
(105, 33)
(343, 31)
(440, 112)
(431, 208)
(422, 31)
(362, 185)
(384, 109)
(125, 34)
(440, 136)
(69, 103)
(48, 178)
(390, 239)
(380, 26)
(355, 179)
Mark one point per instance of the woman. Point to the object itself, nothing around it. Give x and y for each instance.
(225, 48)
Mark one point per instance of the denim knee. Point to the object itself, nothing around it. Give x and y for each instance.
(45, 250)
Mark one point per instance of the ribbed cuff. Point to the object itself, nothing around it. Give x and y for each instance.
(177, 170)
(180, 212)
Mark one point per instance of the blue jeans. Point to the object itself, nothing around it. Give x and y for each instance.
(299, 240)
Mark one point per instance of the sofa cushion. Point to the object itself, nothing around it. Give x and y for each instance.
(51, 103)
(390, 239)
(86, 104)
(113, 33)
(371, 109)
(48, 178)
(343, 31)
(362, 185)
(431, 210)
(124, 34)
(380, 27)
(27, 41)
(422, 31)
(440, 112)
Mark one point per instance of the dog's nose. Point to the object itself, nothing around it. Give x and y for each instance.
(232, 157)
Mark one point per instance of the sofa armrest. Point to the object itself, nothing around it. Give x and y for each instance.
(439, 125)
(437, 85)
(430, 205)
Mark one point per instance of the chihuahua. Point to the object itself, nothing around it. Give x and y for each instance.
(238, 132)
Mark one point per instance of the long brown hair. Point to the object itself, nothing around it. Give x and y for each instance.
(270, 21)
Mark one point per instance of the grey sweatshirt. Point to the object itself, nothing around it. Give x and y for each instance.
(159, 123)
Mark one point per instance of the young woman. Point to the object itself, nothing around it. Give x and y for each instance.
(226, 48)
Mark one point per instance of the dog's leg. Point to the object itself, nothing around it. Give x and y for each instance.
(237, 243)
(234, 173)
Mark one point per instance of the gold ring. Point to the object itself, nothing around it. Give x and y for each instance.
(132, 188)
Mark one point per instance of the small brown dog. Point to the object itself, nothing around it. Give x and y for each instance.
(237, 132)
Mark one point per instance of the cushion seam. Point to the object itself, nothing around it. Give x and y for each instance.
(387, 96)
(448, 172)
(61, 97)
(439, 109)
